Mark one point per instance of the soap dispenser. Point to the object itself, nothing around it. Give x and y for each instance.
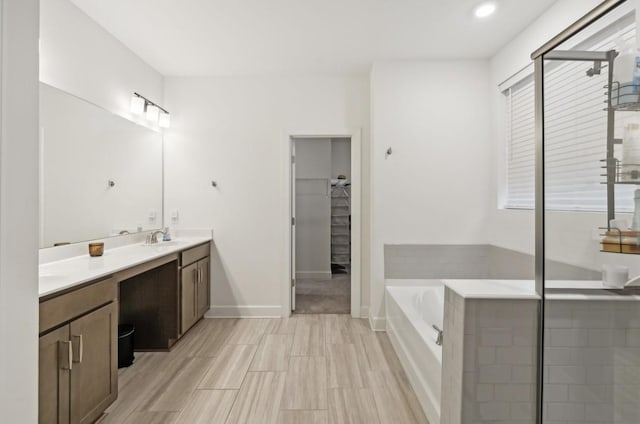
(635, 225)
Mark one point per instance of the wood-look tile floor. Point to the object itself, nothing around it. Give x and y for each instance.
(307, 369)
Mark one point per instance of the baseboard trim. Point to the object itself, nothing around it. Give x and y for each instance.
(320, 275)
(364, 312)
(233, 311)
(378, 323)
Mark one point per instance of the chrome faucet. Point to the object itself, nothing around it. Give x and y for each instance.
(152, 238)
(440, 335)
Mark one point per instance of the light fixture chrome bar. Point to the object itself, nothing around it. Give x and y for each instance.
(577, 55)
(149, 102)
(596, 13)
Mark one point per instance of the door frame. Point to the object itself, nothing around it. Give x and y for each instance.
(356, 212)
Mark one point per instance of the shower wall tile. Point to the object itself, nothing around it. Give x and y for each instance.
(592, 362)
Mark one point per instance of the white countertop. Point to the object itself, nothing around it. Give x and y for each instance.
(494, 289)
(63, 274)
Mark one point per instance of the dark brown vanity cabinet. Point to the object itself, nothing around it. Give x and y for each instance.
(78, 354)
(78, 366)
(194, 285)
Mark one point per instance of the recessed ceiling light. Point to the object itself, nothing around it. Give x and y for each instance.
(485, 10)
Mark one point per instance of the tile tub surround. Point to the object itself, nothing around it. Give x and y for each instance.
(489, 359)
(479, 261)
(63, 274)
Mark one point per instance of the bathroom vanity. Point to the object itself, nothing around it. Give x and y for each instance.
(163, 290)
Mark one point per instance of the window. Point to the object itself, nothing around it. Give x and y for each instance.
(575, 132)
(521, 145)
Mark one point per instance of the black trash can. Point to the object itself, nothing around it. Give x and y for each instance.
(125, 345)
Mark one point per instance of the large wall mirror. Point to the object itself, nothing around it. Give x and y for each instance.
(100, 174)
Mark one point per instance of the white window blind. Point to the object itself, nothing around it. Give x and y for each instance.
(575, 134)
(521, 145)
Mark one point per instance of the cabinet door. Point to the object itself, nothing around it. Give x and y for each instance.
(188, 281)
(202, 294)
(53, 377)
(94, 377)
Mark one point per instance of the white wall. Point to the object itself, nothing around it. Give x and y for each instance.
(340, 157)
(80, 57)
(569, 235)
(313, 208)
(233, 130)
(19, 211)
(433, 188)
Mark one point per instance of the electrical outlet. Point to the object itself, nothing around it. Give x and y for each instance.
(175, 217)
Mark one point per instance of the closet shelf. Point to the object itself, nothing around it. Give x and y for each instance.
(341, 225)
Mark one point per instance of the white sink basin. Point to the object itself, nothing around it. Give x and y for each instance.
(165, 244)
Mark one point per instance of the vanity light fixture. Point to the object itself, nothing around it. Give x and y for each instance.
(486, 9)
(165, 120)
(153, 112)
(137, 104)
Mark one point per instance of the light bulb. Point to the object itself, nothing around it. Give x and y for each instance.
(165, 120)
(152, 113)
(137, 104)
(485, 10)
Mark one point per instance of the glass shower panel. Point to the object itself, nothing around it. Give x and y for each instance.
(591, 128)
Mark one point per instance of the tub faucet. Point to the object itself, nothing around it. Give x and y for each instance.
(440, 335)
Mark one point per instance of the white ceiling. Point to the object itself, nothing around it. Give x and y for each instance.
(230, 37)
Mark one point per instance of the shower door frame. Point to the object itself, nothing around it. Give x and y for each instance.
(538, 58)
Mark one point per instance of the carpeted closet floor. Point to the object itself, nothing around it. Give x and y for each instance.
(324, 296)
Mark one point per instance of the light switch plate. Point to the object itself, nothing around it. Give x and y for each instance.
(175, 217)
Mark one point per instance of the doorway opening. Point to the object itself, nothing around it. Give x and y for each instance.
(321, 200)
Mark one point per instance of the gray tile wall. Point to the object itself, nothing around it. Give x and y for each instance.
(489, 361)
(592, 362)
(481, 261)
(500, 361)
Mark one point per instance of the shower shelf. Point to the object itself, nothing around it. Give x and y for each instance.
(621, 176)
(615, 240)
(625, 97)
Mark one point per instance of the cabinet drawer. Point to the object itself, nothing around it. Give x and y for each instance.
(65, 307)
(192, 255)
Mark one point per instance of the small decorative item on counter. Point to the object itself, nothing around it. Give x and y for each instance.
(96, 249)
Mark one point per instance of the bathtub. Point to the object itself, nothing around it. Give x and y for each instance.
(412, 308)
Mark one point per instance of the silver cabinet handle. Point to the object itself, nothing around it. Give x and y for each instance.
(66, 358)
(195, 294)
(80, 348)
